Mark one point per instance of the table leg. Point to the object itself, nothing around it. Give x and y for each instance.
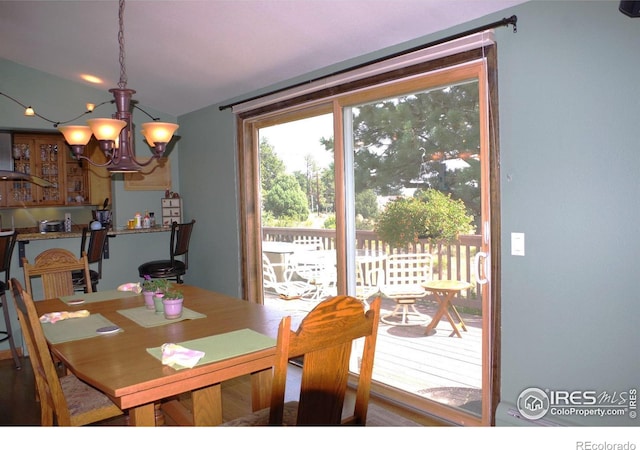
(207, 406)
(457, 314)
(443, 310)
(261, 389)
(438, 315)
(143, 416)
(455, 331)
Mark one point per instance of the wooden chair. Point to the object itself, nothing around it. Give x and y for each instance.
(55, 266)
(405, 274)
(7, 244)
(95, 250)
(172, 268)
(65, 401)
(325, 340)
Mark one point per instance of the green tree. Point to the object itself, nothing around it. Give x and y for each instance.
(271, 166)
(286, 200)
(366, 204)
(430, 214)
(405, 141)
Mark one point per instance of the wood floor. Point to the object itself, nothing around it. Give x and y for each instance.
(18, 406)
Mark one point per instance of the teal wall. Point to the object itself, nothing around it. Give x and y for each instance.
(568, 107)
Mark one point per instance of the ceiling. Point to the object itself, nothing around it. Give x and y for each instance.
(184, 55)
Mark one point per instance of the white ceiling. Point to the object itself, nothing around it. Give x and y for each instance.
(184, 55)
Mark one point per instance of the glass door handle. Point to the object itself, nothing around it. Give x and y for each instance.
(476, 267)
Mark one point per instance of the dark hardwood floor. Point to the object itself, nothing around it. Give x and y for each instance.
(18, 405)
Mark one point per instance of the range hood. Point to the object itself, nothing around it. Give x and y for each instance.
(6, 164)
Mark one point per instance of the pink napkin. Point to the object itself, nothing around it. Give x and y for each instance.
(54, 317)
(178, 357)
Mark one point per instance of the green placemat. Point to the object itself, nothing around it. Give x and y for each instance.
(75, 329)
(100, 296)
(223, 346)
(149, 318)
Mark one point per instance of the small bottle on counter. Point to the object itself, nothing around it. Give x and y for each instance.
(152, 217)
(146, 221)
(138, 218)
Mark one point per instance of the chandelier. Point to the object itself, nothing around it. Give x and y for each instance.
(115, 135)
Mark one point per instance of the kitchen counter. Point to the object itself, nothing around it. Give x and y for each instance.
(32, 234)
(27, 235)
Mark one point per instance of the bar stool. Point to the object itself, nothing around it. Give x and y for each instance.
(7, 243)
(172, 268)
(95, 252)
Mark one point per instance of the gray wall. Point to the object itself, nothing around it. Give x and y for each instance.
(569, 96)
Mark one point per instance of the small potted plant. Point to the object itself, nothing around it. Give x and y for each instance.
(172, 303)
(150, 288)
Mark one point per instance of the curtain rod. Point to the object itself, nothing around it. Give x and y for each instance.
(513, 20)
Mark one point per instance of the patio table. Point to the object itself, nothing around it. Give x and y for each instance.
(444, 291)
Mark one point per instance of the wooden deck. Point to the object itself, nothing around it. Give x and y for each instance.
(439, 367)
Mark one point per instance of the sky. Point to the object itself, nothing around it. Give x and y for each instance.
(294, 140)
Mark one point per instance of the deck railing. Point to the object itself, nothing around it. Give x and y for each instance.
(453, 260)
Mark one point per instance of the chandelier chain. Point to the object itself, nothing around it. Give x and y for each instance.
(122, 84)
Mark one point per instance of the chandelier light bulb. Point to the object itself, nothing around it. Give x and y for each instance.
(29, 112)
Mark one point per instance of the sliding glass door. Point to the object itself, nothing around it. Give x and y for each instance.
(345, 191)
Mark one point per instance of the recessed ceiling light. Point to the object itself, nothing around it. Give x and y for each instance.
(91, 78)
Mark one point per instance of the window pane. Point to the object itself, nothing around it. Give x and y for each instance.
(298, 212)
(416, 183)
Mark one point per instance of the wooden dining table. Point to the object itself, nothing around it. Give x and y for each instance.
(121, 366)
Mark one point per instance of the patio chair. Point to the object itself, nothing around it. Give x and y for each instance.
(405, 274)
(325, 340)
(309, 243)
(317, 268)
(284, 287)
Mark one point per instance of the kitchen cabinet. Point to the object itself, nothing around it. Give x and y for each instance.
(42, 156)
(48, 156)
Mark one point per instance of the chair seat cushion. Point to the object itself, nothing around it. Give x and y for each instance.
(261, 418)
(162, 268)
(82, 398)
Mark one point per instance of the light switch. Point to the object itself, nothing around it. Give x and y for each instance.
(517, 244)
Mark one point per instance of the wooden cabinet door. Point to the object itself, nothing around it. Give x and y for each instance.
(41, 155)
